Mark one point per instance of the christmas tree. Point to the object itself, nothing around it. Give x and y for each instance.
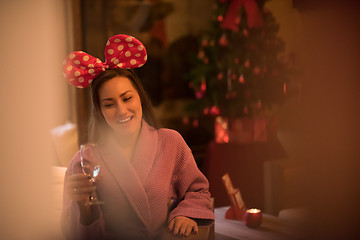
(238, 68)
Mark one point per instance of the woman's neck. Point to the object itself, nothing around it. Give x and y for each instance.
(127, 144)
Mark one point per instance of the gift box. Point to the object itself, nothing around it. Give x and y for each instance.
(244, 130)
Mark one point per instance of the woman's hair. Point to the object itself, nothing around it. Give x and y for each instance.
(97, 123)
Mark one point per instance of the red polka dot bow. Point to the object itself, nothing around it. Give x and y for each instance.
(121, 51)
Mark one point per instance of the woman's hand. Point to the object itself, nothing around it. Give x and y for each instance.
(79, 187)
(182, 226)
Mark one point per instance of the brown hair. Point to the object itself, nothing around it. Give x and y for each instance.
(97, 123)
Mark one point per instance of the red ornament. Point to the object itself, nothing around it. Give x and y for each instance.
(206, 111)
(256, 70)
(203, 86)
(220, 76)
(185, 120)
(236, 60)
(201, 54)
(206, 60)
(241, 79)
(220, 18)
(214, 110)
(199, 94)
(233, 76)
(223, 41)
(204, 43)
(247, 63)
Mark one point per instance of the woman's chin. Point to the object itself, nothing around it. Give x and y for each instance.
(127, 129)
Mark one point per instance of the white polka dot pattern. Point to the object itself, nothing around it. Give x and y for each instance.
(121, 51)
(129, 51)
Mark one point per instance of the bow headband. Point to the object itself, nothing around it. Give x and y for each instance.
(121, 51)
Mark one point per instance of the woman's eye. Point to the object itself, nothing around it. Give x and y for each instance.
(127, 99)
(108, 105)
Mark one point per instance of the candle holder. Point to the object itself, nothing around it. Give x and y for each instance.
(253, 218)
(237, 208)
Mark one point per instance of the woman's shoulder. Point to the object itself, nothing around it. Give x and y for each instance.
(170, 135)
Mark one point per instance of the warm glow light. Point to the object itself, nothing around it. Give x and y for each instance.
(253, 218)
(221, 130)
(253, 210)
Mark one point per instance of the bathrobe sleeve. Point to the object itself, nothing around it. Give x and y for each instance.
(70, 218)
(189, 186)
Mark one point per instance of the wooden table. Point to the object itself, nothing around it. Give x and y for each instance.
(272, 228)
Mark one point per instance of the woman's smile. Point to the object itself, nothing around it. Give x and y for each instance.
(124, 120)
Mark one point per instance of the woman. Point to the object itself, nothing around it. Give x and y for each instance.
(142, 167)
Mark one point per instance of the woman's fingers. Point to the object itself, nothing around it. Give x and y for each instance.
(188, 229)
(182, 226)
(79, 187)
(177, 227)
(171, 225)
(183, 229)
(196, 228)
(77, 178)
(83, 190)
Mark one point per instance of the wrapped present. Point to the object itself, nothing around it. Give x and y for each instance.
(244, 130)
(221, 130)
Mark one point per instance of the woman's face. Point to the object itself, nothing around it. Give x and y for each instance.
(120, 105)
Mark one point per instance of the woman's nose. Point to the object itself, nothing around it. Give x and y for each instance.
(121, 108)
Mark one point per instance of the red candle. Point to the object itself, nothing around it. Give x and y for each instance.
(253, 218)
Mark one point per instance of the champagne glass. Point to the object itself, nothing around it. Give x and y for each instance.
(90, 167)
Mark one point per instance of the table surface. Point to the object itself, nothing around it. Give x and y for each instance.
(271, 228)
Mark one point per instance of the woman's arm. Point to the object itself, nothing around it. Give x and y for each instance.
(192, 191)
(79, 220)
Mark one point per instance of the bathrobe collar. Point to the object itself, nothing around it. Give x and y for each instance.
(130, 175)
